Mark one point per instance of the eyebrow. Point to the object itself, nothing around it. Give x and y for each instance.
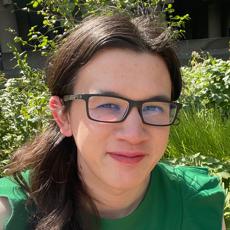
(157, 97)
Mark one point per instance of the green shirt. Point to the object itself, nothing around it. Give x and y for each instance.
(177, 198)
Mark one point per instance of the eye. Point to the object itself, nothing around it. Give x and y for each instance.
(109, 106)
(153, 108)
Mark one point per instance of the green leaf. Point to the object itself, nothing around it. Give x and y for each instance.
(35, 4)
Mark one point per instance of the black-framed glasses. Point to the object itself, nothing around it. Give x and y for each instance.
(114, 109)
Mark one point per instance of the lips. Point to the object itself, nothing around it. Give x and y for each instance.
(127, 157)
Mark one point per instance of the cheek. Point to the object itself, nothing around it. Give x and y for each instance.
(160, 138)
(90, 136)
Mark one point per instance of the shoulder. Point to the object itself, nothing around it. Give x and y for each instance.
(202, 197)
(190, 182)
(12, 202)
(11, 189)
(197, 181)
(191, 179)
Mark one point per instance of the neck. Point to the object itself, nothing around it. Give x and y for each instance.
(115, 203)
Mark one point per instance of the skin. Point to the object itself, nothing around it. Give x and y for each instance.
(117, 186)
(5, 211)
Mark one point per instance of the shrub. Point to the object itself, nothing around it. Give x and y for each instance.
(23, 107)
(207, 83)
(60, 16)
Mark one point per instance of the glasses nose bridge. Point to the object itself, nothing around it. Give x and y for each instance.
(135, 104)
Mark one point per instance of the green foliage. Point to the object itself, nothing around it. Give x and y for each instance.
(202, 132)
(59, 16)
(203, 137)
(207, 83)
(2, 79)
(23, 107)
(176, 21)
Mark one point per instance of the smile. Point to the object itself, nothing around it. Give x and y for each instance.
(127, 158)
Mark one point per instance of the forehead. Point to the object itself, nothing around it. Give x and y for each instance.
(136, 75)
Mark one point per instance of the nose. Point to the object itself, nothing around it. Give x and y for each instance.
(132, 129)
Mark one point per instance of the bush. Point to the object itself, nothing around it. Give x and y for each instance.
(23, 107)
(60, 16)
(207, 84)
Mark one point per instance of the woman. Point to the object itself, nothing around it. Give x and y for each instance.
(114, 82)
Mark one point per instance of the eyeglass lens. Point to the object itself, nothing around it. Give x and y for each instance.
(112, 109)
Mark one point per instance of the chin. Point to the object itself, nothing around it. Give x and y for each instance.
(124, 181)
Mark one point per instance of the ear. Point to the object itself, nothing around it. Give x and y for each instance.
(62, 118)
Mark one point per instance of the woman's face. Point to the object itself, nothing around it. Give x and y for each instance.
(119, 155)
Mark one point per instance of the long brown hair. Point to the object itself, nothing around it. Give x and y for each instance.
(55, 187)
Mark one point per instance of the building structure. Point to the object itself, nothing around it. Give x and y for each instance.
(208, 30)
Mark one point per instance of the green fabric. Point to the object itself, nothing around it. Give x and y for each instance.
(17, 198)
(178, 198)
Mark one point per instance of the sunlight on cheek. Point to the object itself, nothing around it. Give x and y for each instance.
(162, 138)
(89, 135)
(81, 135)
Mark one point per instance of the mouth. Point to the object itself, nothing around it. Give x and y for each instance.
(127, 157)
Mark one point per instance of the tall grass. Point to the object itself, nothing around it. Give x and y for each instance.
(203, 132)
